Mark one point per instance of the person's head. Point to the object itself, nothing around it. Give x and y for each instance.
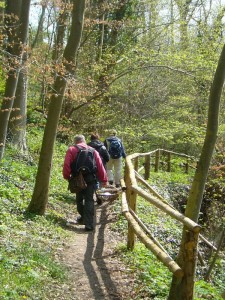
(79, 139)
(113, 132)
(95, 136)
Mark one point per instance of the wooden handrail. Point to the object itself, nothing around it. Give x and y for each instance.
(142, 225)
(138, 228)
(134, 155)
(168, 209)
(157, 251)
(141, 179)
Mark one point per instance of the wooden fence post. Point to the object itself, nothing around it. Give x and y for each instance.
(168, 162)
(131, 233)
(187, 167)
(131, 198)
(157, 157)
(136, 164)
(147, 166)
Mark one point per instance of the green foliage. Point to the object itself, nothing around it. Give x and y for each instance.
(152, 279)
(204, 290)
(24, 268)
(29, 245)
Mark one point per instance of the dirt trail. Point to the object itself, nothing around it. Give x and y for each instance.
(96, 272)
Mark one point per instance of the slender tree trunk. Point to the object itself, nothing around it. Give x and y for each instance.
(17, 36)
(18, 116)
(182, 289)
(101, 39)
(183, 6)
(60, 31)
(219, 247)
(40, 195)
(39, 34)
(1, 13)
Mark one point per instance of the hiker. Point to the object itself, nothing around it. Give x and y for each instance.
(116, 151)
(100, 147)
(84, 198)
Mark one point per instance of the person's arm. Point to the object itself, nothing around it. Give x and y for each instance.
(69, 157)
(106, 144)
(101, 173)
(123, 151)
(104, 153)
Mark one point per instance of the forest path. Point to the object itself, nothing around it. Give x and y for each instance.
(96, 271)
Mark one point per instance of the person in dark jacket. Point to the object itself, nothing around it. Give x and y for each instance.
(100, 147)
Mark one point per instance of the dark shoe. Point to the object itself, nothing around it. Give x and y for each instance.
(89, 228)
(111, 182)
(79, 221)
(117, 185)
(99, 201)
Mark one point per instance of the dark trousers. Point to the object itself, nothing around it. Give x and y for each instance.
(85, 204)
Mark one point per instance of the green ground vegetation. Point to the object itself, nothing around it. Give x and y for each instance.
(31, 246)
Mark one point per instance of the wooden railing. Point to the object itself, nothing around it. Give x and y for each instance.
(130, 190)
(154, 158)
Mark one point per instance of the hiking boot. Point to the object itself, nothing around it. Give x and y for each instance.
(79, 221)
(87, 228)
(99, 201)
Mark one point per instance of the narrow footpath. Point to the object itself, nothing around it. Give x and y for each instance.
(95, 269)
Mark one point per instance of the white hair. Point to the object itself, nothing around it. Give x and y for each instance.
(79, 139)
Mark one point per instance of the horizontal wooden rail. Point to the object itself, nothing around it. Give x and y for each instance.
(178, 154)
(124, 207)
(142, 225)
(168, 209)
(134, 155)
(207, 242)
(159, 253)
(143, 181)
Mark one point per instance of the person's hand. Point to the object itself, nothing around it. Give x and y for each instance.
(103, 184)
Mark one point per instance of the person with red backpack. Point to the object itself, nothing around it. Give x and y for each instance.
(116, 151)
(85, 159)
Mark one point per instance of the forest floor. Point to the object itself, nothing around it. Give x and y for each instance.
(96, 272)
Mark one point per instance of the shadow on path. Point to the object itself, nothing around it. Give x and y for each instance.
(101, 282)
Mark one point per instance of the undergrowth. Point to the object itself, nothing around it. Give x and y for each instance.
(31, 246)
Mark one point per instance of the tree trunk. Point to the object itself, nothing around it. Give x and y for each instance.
(17, 36)
(60, 31)
(2, 13)
(183, 289)
(183, 7)
(39, 34)
(40, 195)
(18, 116)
